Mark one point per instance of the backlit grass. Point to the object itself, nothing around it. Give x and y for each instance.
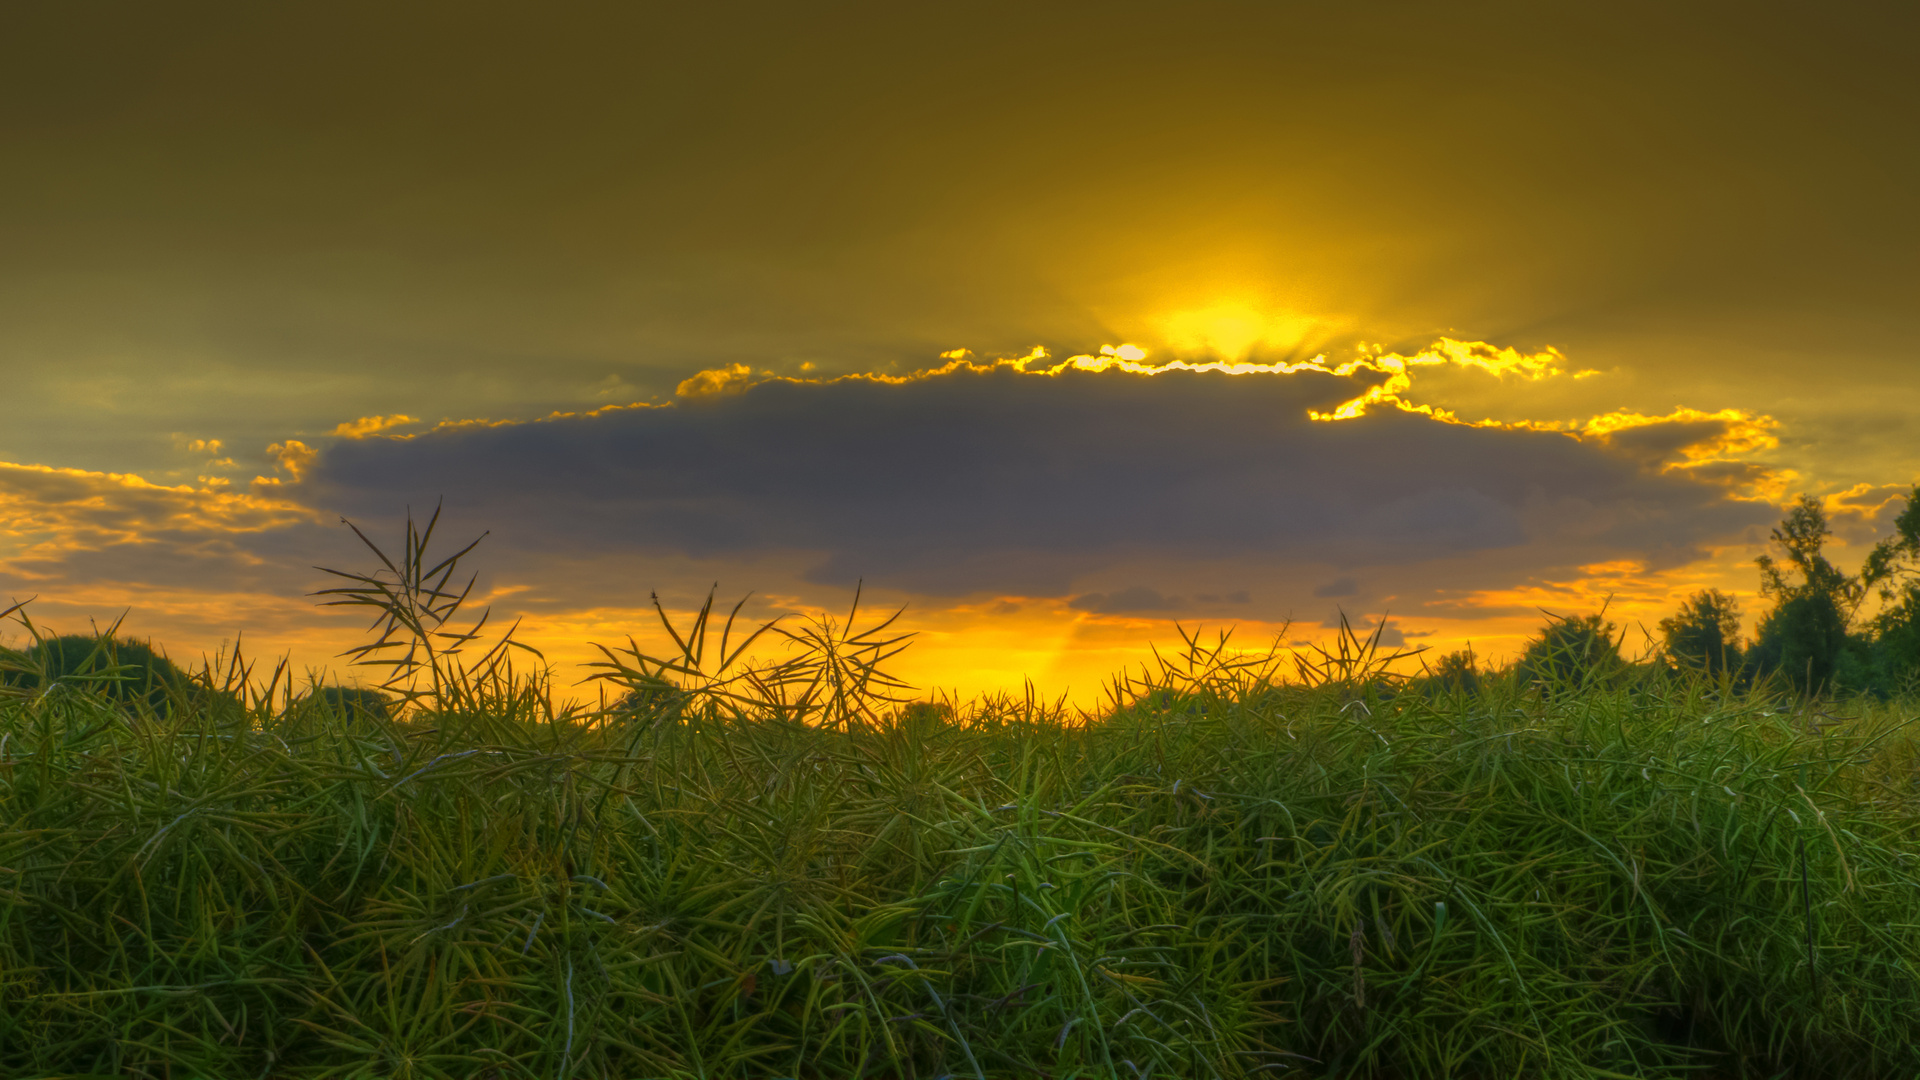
(1222, 877)
(745, 871)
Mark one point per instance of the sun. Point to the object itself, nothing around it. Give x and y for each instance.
(1232, 330)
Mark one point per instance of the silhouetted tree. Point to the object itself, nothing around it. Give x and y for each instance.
(1704, 635)
(1572, 653)
(1895, 566)
(926, 714)
(1806, 636)
(1455, 673)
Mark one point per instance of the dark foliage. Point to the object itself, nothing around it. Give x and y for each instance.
(1572, 653)
(121, 670)
(1813, 637)
(1454, 673)
(1804, 638)
(1704, 635)
(1896, 643)
(351, 702)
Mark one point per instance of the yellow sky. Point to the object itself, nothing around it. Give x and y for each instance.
(1579, 298)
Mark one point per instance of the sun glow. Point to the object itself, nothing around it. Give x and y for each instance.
(1233, 331)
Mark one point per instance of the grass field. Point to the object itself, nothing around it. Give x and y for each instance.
(1224, 873)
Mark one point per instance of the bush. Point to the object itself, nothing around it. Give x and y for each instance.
(126, 672)
(349, 702)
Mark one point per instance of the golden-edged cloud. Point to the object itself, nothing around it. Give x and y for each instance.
(292, 457)
(1027, 475)
(48, 512)
(1103, 489)
(372, 425)
(1716, 446)
(727, 380)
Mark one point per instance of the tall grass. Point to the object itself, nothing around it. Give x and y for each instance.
(1220, 873)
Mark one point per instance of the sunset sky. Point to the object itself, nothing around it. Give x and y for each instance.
(1056, 323)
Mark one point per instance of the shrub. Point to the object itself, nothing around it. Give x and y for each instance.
(124, 671)
(349, 702)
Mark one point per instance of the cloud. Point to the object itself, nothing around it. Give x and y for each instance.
(372, 425)
(1238, 596)
(292, 457)
(94, 544)
(1027, 480)
(51, 509)
(1391, 636)
(1134, 600)
(1342, 586)
(1864, 513)
(1687, 438)
(727, 380)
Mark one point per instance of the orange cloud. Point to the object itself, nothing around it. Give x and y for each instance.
(1864, 512)
(1471, 355)
(292, 457)
(45, 510)
(1701, 436)
(727, 380)
(372, 425)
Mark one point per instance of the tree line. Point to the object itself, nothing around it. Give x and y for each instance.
(1817, 638)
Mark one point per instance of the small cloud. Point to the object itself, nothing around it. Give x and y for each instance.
(1127, 601)
(956, 354)
(1864, 512)
(1240, 596)
(1392, 636)
(712, 383)
(1344, 586)
(613, 386)
(1683, 437)
(371, 425)
(292, 457)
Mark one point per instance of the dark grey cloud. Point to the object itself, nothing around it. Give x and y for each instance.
(1238, 596)
(1137, 599)
(1000, 482)
(1390, 635)
(1341, 586)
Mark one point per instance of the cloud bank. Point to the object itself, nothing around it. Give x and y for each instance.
(998, 479)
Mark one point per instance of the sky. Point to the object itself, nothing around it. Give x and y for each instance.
(1062, 326)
